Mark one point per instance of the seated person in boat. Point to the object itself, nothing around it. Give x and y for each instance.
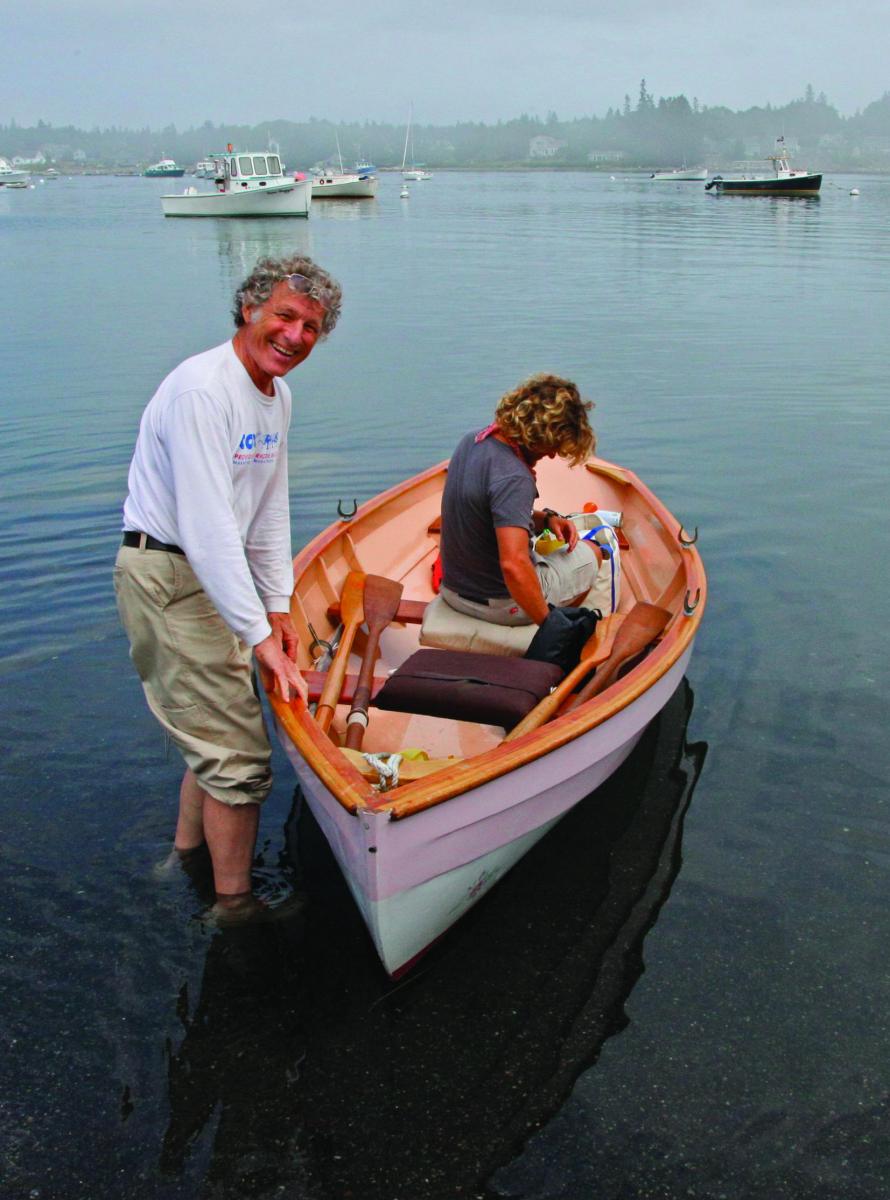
(490, 569)
(204, 575)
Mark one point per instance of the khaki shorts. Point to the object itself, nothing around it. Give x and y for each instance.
(563, 575)
(196, 675)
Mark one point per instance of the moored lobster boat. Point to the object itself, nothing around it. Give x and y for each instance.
(784, 179)
(247, 184)
(418, 850)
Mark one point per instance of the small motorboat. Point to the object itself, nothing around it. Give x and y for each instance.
(166, 168)
(681, 175)
(11, 176)
(247, 184)
(330, 183)
(337, 185)
(784, 180)
(425, 813)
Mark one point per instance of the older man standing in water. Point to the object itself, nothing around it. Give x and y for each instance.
(204, 577)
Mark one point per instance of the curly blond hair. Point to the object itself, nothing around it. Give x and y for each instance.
(546, 414)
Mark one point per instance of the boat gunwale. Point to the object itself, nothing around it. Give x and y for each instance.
(350, 788)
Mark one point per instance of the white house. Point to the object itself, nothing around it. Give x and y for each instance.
(543, 146)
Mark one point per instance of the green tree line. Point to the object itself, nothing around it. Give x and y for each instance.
(643, 131)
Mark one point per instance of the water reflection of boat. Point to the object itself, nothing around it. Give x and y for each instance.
(241, 241)
(297, 1045)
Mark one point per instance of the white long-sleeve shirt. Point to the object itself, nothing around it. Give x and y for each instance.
(209, 474)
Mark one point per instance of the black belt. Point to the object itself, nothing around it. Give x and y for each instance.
(132, 538)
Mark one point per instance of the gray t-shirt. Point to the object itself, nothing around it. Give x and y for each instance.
(488, 487)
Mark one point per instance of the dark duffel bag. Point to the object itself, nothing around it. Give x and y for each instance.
(461, 686)
(563, 635)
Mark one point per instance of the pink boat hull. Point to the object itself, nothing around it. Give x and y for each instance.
(413, 878)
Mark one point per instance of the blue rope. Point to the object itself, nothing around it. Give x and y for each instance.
(606, 548)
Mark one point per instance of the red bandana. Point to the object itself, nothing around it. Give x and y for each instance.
(514, 446)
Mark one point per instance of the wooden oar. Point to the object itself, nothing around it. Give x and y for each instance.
(641, 626)
(352, 612)
(596, 649)
(381, 603)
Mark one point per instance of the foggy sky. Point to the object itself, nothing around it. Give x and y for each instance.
(155, 62)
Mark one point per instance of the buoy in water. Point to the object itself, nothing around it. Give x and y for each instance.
(854, 191)
(404, 193)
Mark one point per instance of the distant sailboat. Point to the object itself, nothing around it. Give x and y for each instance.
(413, 172)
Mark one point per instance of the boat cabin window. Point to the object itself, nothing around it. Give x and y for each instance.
(274, 165)
(232, 166)
(259, 165)
(245, 165)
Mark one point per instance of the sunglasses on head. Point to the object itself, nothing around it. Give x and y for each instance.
(303, 285)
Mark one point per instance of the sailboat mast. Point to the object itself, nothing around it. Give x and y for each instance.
(407, 135)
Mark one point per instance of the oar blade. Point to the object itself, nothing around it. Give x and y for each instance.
(381, 600)
(642, 625)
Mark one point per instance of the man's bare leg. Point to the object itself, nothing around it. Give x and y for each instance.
(231, 832)
(190, 826)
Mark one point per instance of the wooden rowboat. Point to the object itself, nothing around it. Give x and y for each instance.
(416, 857)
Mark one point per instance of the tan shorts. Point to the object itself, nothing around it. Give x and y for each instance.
(564, 575)
(195, 673)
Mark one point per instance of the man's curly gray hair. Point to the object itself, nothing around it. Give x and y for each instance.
(257, 287)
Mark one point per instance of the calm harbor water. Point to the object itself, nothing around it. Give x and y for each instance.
(683, 992)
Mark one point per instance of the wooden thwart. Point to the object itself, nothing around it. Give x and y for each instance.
(409, 612)
(316, 681)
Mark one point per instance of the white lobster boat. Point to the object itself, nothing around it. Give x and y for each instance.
(343, 185)
(11, 176)
(416, 857)
(248, 184)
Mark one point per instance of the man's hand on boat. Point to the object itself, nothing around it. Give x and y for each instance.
(276, 656)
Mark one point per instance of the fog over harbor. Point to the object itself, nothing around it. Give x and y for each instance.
(94, 62)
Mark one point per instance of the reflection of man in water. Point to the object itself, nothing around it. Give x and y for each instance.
(204, 575)
(237, 1068)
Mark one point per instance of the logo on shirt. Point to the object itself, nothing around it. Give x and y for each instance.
(256, 447)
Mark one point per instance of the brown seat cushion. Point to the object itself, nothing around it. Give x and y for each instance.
(462, 686)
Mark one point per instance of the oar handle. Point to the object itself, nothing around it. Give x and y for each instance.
(357, 721)
(330, 694)
(544, 709)
(595, 651)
